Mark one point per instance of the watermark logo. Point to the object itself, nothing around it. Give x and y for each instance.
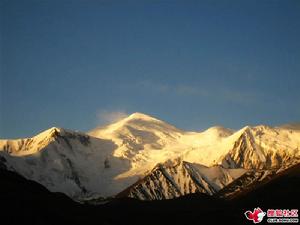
(256, 216)
(273, 215)
(282, 216)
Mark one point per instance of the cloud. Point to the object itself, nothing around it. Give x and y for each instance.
(239, 96)
(224, 94)
(191, 90)
(106, 117)
(153, 86)
(219, 93)
(216, 93)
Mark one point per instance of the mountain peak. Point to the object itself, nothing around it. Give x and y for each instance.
(142, 116)
(220, 131)
(53, 131)
(135, 119)
(138, 128)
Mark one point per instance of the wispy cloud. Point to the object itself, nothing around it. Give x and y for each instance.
(224, 94)
(214, 93)
(105, 117)
(191, 90)
(153, 86)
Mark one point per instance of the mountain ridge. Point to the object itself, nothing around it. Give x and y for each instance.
(107, 160)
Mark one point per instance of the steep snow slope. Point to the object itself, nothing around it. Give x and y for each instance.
(177, 178)
(108, 159)
(263, 147)
(66, 161)
(146, 141)
(253, 179)
(142, 139)
(27, 146)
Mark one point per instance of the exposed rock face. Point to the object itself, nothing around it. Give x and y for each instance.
(178, 178)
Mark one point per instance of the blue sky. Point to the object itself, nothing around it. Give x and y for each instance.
(77, 64)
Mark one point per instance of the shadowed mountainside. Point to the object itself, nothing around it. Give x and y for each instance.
(23, 200)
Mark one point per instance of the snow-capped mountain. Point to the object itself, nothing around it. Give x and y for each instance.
(143, 140)
(262, 147)
(66, 161)
(177, 178)
(254, 179)
(168, 181)
(148, 155)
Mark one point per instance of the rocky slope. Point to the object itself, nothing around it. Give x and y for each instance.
(178, 178)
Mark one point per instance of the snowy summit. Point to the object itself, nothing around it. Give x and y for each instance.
(109, 159)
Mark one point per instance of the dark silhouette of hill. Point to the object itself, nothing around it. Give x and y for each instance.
(27, 202)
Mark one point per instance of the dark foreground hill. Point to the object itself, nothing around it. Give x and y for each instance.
(27, 202)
